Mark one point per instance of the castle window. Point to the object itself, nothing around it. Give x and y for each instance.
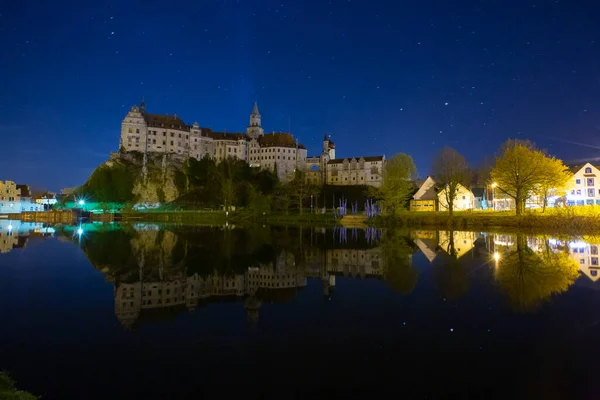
(130, 130)
(172, 134)
(180, 136)
(164, 142)
(165, 134)
(171, 143)
(137, 130)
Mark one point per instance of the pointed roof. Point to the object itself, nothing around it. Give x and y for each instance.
(255, 109)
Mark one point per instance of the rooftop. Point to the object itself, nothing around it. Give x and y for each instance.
(365, 158)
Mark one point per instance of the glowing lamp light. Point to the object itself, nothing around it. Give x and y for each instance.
(81, 202)
(10, 227)
(80, 231)
(494, 184)
(496, 256)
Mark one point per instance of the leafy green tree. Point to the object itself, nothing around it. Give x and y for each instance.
(450, 170)
(555, 178)
(521, 170)
(397, 186)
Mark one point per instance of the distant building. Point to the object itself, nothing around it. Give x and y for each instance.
(356, 171)
(425, 199)
(463, 199)
(431, 197)
(279, 152)
(584, 188)
(27, 203)
(10, 198)
(169, 134)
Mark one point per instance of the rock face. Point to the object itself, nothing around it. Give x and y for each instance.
(158, 178)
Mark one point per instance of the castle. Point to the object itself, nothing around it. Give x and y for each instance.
(280, 152)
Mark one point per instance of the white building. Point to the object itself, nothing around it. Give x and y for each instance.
(153, 133)
(584, 189)
(463, 199)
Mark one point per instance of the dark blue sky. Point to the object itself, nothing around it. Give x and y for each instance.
(380, 76)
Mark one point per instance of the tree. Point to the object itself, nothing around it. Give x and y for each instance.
(519, 171)
(397, 186)
(555, 178)
(299, 189)
(450, 170)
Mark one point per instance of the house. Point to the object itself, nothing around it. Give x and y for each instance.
(27, 203)
(430, 197)
(10, 198)
(426, 197)
(583, 189)
(463, 199)
(479, 196)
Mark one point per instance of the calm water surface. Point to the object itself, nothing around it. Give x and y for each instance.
(157, 312)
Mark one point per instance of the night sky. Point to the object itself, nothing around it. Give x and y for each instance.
(379, 76)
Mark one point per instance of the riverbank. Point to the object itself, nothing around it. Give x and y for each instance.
(552, 221)
(220, 217)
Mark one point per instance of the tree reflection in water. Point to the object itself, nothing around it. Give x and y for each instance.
(449, 273)
(530, 277)
(396, 253)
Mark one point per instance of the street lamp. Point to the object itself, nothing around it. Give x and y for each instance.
(81, 202)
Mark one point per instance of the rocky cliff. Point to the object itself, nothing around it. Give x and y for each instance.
(131, 177)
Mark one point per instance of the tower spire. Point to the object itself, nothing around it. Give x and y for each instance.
(255, 109)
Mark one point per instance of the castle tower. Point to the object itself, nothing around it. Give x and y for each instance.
(328, 147)
(255, 130)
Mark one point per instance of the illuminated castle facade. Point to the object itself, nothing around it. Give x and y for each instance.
(168, 134)
(280, 152)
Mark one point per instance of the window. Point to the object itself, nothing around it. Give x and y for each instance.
(137, 130)
(172, 134)
(590, 181)
(130, 130)
(591, 192)
(588, 170)
(594, 260)
(171, 143)
(464, 197)
(578, 181)
(579, 192)
(594, 250)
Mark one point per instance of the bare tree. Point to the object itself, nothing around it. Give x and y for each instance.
(450, 169)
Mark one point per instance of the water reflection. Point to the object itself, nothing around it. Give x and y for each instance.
(159, 272)
(15, 234)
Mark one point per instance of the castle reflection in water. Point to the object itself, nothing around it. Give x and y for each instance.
(159, 272)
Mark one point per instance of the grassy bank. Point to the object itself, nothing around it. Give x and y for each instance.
(573, 219)
(220, 217)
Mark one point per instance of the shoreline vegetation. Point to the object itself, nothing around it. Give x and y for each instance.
(569, 219)
(578, 220)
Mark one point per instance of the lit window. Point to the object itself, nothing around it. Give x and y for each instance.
(578, 181)
(588, 170)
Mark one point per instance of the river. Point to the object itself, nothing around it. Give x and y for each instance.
(155, 311)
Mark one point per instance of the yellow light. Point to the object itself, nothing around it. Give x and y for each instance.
(496, 256)
(494, 184)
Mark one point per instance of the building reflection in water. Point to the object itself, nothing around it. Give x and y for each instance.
(165, 282)
(160, 272)
(15, 234)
